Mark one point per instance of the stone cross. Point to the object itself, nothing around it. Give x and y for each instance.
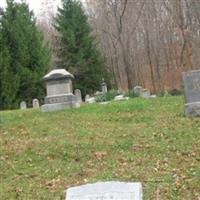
(106, 191)
(23, 105)
(191, 83)
(36, 103)
(78, 95)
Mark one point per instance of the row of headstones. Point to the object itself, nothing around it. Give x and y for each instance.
(35, 103)
(191, 81)
(138, 90)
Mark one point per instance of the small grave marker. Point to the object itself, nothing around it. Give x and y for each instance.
(23, 105)
(106, 191)
(78, 96)
(36, 103)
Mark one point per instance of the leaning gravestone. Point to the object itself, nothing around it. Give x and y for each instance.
(36, 103)
(191, 82)
(59, 91)
(106, 191)
(23, 105)
(78, 95)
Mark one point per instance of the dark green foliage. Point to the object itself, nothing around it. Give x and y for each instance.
(77, 52)
(110, 95)
(24, 56)
(161, 94)
(175, 92)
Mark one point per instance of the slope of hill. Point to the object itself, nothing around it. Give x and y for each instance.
(42, 154)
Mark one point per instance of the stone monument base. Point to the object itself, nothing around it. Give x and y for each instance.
(192, 109)
(59, 102)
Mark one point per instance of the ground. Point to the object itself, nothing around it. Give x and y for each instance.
(150, 141)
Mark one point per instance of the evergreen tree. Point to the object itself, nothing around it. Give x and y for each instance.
(27, 57)
(77, 51)
(8, 80)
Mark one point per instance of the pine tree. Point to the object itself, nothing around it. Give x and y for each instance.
(8, 80)
(77, 51)
(28, 56)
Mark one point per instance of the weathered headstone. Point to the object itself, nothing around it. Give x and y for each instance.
(23, 105)
(137, 90)
(78, 95)
(91, 100)
(106, 191)
(191, 82)
(87, 96)
(104, 87)
(36, 103)
(145, 93)
(120, 98)
(59, 91)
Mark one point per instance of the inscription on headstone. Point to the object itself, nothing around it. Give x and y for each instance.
(59, 91)
(23, 105)
(106, 191)
(191, 82)
(36, 103)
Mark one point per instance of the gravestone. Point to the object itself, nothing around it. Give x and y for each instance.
(23, 105)
(120, 98)
(106, 191)
(59, 91)
(104, 88)
(91, 100)
(145, 93)
(191, 83)
(87, 96)
(137, 90)
(78, 95)
(36, 103)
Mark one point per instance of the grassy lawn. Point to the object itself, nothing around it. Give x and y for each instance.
(42, 154)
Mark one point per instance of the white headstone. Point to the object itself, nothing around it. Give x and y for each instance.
(106, 191)
(87, 96)
(23, 105)
(36, 103)
(120, 98)
(78, 95)
(91, 100)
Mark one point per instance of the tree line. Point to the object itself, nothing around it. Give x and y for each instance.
(147, 42)
(126, 42)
